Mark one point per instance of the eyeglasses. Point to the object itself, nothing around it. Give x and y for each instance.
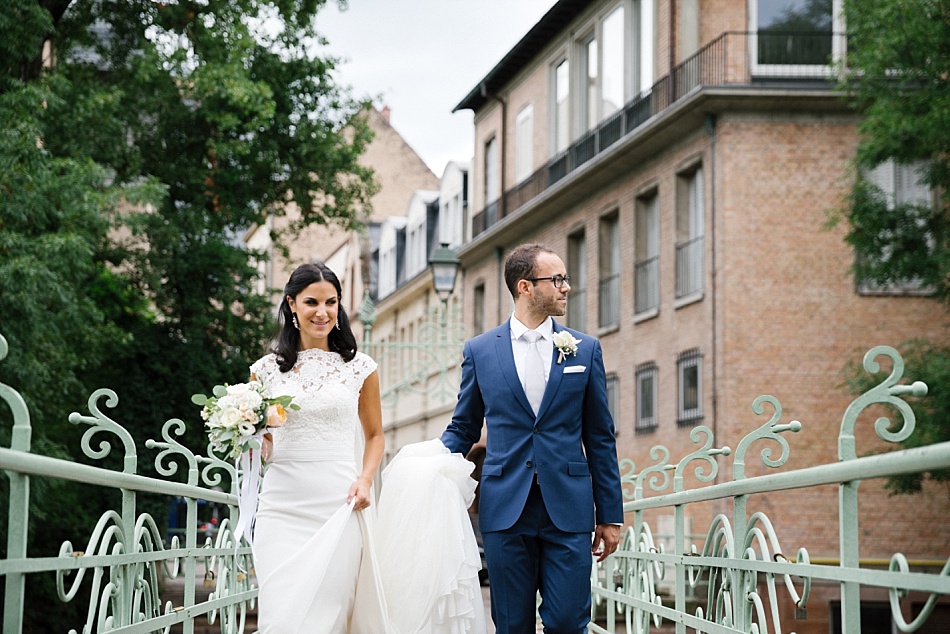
(557, 280)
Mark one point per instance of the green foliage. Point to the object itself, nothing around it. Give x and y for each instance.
(930, 363)
(129, 170)
(897, 74)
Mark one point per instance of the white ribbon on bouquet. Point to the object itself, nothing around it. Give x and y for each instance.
(249, 463)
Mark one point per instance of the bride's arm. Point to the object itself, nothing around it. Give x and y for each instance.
(371, 418)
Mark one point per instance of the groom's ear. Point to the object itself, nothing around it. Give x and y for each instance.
(523, 287)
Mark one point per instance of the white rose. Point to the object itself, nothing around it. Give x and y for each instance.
(230, 417)
(237, 390)
(251, 416)
(250, 400)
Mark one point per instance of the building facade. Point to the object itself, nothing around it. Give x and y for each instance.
(684, 159)
(416, 336)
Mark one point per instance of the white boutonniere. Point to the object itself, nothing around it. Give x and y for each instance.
(565, 343)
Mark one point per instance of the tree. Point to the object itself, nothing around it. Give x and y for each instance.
(898, 77)
(140, 140)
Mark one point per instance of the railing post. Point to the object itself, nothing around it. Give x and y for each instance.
(679, 543)
(18, 517)
(850, 556)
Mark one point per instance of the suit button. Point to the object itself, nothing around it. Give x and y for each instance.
(528, 464)
(537, 431)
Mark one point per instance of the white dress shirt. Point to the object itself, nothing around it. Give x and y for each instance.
(519, 347)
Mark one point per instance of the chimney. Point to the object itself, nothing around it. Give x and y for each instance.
(385, 112)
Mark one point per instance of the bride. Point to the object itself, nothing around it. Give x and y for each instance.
(324, 563)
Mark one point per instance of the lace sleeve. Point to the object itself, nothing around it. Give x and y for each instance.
(363, 366)
(264, 368)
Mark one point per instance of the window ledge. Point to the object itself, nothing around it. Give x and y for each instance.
(607, 330)
(646, 429)
(686, 300)
(646, 315)
(896, 290)
(692, 421)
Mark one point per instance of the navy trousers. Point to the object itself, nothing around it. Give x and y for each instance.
(532, 556)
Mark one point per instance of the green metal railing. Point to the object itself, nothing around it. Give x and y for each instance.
(124, 557)
(734, 572)
(740, 562)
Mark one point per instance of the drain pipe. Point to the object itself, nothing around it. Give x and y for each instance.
(710, 124)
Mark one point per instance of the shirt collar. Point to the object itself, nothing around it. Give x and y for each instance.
(546, 328)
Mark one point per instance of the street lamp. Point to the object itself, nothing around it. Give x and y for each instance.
(444, 267)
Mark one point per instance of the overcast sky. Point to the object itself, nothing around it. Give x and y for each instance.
(421, 57)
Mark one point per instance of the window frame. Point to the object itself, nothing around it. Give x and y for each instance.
(524, 143)
(691, 359)
(891, 177)
(609, 270)
(577, 269)
(643, 371)
(478, 308)
(690, 235)
(561, 121)
(838, 46)
(646, 252)
(612, 387)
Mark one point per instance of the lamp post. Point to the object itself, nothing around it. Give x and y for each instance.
(445, 268)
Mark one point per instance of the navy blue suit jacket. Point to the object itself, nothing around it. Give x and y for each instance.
(570, 443)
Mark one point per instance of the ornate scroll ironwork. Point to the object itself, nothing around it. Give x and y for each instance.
(741, 558)
(125, 555)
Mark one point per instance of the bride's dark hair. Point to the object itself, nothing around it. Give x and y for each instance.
(340, 340)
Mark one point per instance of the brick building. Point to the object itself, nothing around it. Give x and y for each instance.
(683, 158)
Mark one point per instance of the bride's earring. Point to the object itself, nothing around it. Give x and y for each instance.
(296, 323)
(337, 324)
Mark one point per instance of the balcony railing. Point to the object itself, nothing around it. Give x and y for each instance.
(689, 267)
(609, 301)
(646, 285)
(726, 61)
(577, 309)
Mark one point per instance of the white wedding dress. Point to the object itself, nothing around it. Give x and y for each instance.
(323, 568)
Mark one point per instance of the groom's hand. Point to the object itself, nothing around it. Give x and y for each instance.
(606, 540)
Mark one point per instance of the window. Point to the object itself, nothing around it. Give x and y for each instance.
(796, 32)
(613, 397)
(589, 66)
(492, 183)
(524, 143)
(577, 269)
(613, 63)
(478, 309)
(646, 397)
(901, 184)
(689, 233)
(604, 66)
(562, 95)
(690, 401)
(609, 254)
(645, 45)
(646, 268)
(453, 205)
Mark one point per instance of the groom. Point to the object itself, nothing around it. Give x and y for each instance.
(550, 476)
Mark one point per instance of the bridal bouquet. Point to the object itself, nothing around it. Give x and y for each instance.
(235, 416)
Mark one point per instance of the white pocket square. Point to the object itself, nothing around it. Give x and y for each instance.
(574, 368)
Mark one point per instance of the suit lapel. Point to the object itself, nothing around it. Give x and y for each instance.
(554, 376)
(506, 359)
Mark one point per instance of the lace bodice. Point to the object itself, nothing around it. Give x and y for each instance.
(327, 390)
